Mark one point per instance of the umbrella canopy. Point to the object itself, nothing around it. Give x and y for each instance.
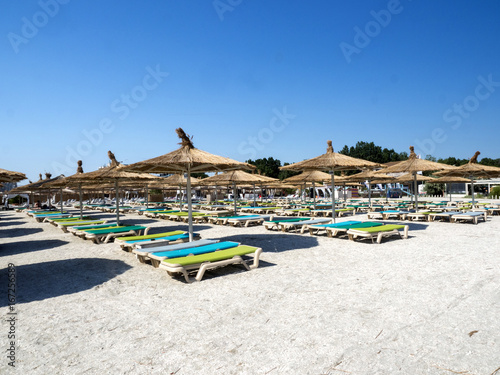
(309, 176)
(369, 176)
(331, 161)
(38, 186)
(112, 173)
(177, 180)
(237, 178)
(11, 176)
(413, 165)
(449, 180)
(187, 159)
(472, 170)
(407, 177)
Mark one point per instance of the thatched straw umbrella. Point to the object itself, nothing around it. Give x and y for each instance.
(237, 177)
(11, 176)
(449, 180)
(112, 173)
(368, 175)
(186, 160)
(408, 178)
(177, 180)
(413, 165)
(309, 176)
(38, 186)
(330, 162)
(472, 170)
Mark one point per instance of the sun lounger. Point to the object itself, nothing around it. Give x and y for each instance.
(246, 221)
(274, 224)
(333, 229)
(388, 214)
(442, 215)
(79, 229)
(65, 225)
(378, 232)
(223, 220)
(105, 235)
(295, 212)
(287, 226)
(201, 218)
(157, 213)
(192, 248)
(142, 253)
(216, 259)
(41, 218)
(55, 220)
(127, 243)
(418, 216)
(474, 217)
(35, 213)
(176, 216)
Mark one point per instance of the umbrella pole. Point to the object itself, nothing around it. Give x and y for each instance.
(416, 190)
(472, 191)
(81, 200)
(370, 193)
(234, 197)
(117, 203)
(180, 197)
(190, 206)
(61, 200)
(147, 197)
(48, 197)
(314, 195)
(254, 199)
(333, 196)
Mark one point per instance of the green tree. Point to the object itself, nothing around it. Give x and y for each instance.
(435, 189)
(199, 175)
(369, 151)
(453, 161)
(267, 166)
(285, 174)
(490, 162)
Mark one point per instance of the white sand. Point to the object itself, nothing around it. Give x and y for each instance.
(316, 305)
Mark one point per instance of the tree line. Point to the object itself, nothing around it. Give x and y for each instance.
(363, 150)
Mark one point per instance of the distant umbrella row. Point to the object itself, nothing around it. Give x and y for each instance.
(188, 159)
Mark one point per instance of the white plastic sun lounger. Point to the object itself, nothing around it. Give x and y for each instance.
(287, 226)
(469, 216)
(142, 254)
(216, 259)
(246, 221)
(443, 215)
(194, 249)
(378, 232)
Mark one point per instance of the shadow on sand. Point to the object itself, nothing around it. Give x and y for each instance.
(18, 232)
(20, 247)
(6, 223)
(40, 281)
(276, 242)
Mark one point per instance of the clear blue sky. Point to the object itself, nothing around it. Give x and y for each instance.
(248, 79)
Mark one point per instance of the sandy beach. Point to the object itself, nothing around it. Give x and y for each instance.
(429, 304)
